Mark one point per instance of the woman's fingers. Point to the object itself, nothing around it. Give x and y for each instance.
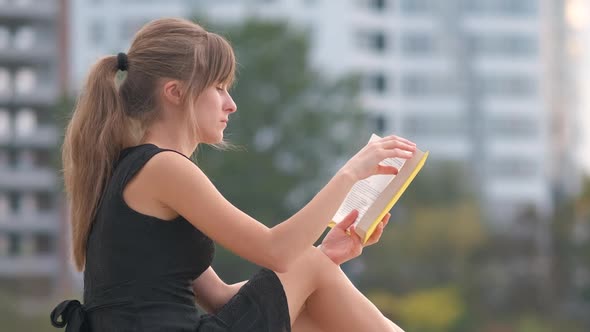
(397, 138)
(355, 237)
(384, 169)
(398, 145)
(366, 162)
(376, 236)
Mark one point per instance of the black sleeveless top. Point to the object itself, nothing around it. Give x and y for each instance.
(139, 263)
(139, 272)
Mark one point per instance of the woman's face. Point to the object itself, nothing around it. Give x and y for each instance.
(212, 110)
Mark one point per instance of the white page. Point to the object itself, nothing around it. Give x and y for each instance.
(366, 191)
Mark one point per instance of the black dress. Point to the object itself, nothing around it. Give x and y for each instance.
(139, 271)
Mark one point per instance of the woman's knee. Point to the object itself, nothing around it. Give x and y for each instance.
(316, 265)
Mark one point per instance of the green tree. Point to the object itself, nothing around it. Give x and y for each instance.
(293, 129)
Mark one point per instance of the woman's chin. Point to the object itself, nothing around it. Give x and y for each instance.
(214, 139)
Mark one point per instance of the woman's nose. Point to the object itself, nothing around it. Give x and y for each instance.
(231, 106)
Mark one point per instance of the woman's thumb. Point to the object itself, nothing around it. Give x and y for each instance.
(348, 220)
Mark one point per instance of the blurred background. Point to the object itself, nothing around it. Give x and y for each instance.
(494, 233)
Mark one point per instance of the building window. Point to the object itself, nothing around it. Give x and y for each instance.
(25, 122)
(24, 38)
(433, 126)
(379, 123)
(505, 7)
(4, 82)
(4, 36)
(13, 200)
(45, 201)
(28, 204)
(415, 43)
(515, 167)
(27, 245)
(376, 83)
(378, 5)
(503, 45)
(44, 244)
(419, 85)
(4, 206)
(512, 126)
(44, 157)
(13, 244)
(507, 86)
(373, 40)
(25, 81)
(26, 159)
(416, 6)
(23, 3)
(4, 123)
(4, 240)
(4, 159)
(378, 41)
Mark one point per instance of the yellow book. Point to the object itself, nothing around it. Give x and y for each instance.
(374, 196)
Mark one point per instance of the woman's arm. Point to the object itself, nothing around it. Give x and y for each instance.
(211, 293)
(178, 184)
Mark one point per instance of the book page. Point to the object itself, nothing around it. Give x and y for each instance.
(365, 192)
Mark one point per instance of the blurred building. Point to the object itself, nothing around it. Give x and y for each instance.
(471, 81)
(29, 201)
(570, 102)
(106, 27)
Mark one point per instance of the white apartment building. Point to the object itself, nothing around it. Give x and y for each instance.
(466, 79)
(106, 27)
(29, 202)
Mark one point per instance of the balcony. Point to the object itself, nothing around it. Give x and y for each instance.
(33, 10)
(40, 53)
(31, 179)
(19, 266)
(29, 222)
(43, 137)
(43, 96)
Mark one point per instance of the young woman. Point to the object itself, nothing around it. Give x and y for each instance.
(144, 217)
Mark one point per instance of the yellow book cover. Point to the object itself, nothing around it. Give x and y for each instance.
(374, 196)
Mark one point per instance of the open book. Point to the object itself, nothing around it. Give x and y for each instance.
(374, 196)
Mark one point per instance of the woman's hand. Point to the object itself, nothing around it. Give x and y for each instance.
(366, 162)
(341, 247)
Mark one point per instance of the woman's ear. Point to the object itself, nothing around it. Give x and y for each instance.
(172, 92)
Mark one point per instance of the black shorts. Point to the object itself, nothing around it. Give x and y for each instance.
(259, 306)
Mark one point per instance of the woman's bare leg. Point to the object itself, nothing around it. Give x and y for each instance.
(330, 299)
(304, 323)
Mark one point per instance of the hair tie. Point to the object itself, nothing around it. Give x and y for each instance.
(122, 62)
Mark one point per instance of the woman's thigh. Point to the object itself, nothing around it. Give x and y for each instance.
(305, 276)
(304, 323)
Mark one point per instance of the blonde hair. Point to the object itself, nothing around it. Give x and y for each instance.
(111, 115)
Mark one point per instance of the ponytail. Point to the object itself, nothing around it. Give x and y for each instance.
(97, 132)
